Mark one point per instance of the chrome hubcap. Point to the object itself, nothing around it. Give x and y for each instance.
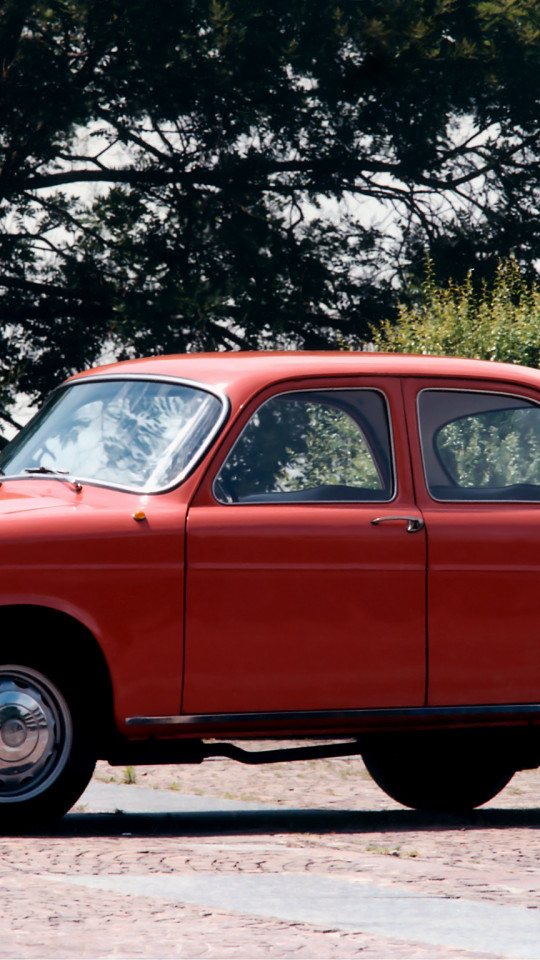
(35, 733)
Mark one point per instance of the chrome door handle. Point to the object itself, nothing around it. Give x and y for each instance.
(414, 524)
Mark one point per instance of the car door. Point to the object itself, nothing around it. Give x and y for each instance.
(477, 465)
(305, 585)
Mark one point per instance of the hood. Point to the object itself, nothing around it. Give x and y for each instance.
(15, 502)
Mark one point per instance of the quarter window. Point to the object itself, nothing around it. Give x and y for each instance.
(312, 446)
(480, 446)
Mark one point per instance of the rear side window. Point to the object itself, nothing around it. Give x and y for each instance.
(314, 446)
(480, 446)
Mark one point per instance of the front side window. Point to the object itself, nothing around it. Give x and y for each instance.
(133, 433)
(480, 446)
(314, 446)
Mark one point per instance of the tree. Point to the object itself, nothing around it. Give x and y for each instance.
(166, 167)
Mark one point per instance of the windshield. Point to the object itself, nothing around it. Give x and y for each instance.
(139, 434)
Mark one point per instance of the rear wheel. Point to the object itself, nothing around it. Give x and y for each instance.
(45, 757)
(449, 773)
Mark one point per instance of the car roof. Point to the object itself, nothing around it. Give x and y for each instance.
(254, 370)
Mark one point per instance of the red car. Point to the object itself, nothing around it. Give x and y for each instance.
(341, 547)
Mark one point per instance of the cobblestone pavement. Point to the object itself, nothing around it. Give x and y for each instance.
(327, 819)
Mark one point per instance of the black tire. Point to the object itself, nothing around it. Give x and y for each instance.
(46, 759)
(444, 773)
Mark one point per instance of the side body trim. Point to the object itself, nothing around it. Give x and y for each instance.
(505, 711)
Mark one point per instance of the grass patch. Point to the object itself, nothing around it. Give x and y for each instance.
(396, 851)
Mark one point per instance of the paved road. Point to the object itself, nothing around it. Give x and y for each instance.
(156, 873)
(349, 904)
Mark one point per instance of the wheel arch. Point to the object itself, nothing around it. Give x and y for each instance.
(63, 647)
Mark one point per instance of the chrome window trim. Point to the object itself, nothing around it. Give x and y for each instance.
(491, 393)
(156, 378)
(312, 503)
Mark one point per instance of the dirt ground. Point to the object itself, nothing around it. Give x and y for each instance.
(335, 821)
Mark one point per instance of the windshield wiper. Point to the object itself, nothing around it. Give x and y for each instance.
(61, 475)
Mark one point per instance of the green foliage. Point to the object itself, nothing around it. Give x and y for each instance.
(129, 775)
(334, 452)
(492, 449)
(501, 322)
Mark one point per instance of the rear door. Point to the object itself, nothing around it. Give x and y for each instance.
(477, 464)
(306, 558)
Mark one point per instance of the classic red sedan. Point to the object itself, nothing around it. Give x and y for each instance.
(342, 547)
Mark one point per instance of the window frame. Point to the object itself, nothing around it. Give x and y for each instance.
(310, 503)
(469, 390)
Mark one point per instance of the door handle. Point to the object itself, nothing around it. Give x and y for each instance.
(414, 524)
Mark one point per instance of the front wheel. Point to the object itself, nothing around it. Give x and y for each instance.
(45, 759)
(444, 773)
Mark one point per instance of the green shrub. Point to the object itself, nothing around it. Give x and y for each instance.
(502, 322)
